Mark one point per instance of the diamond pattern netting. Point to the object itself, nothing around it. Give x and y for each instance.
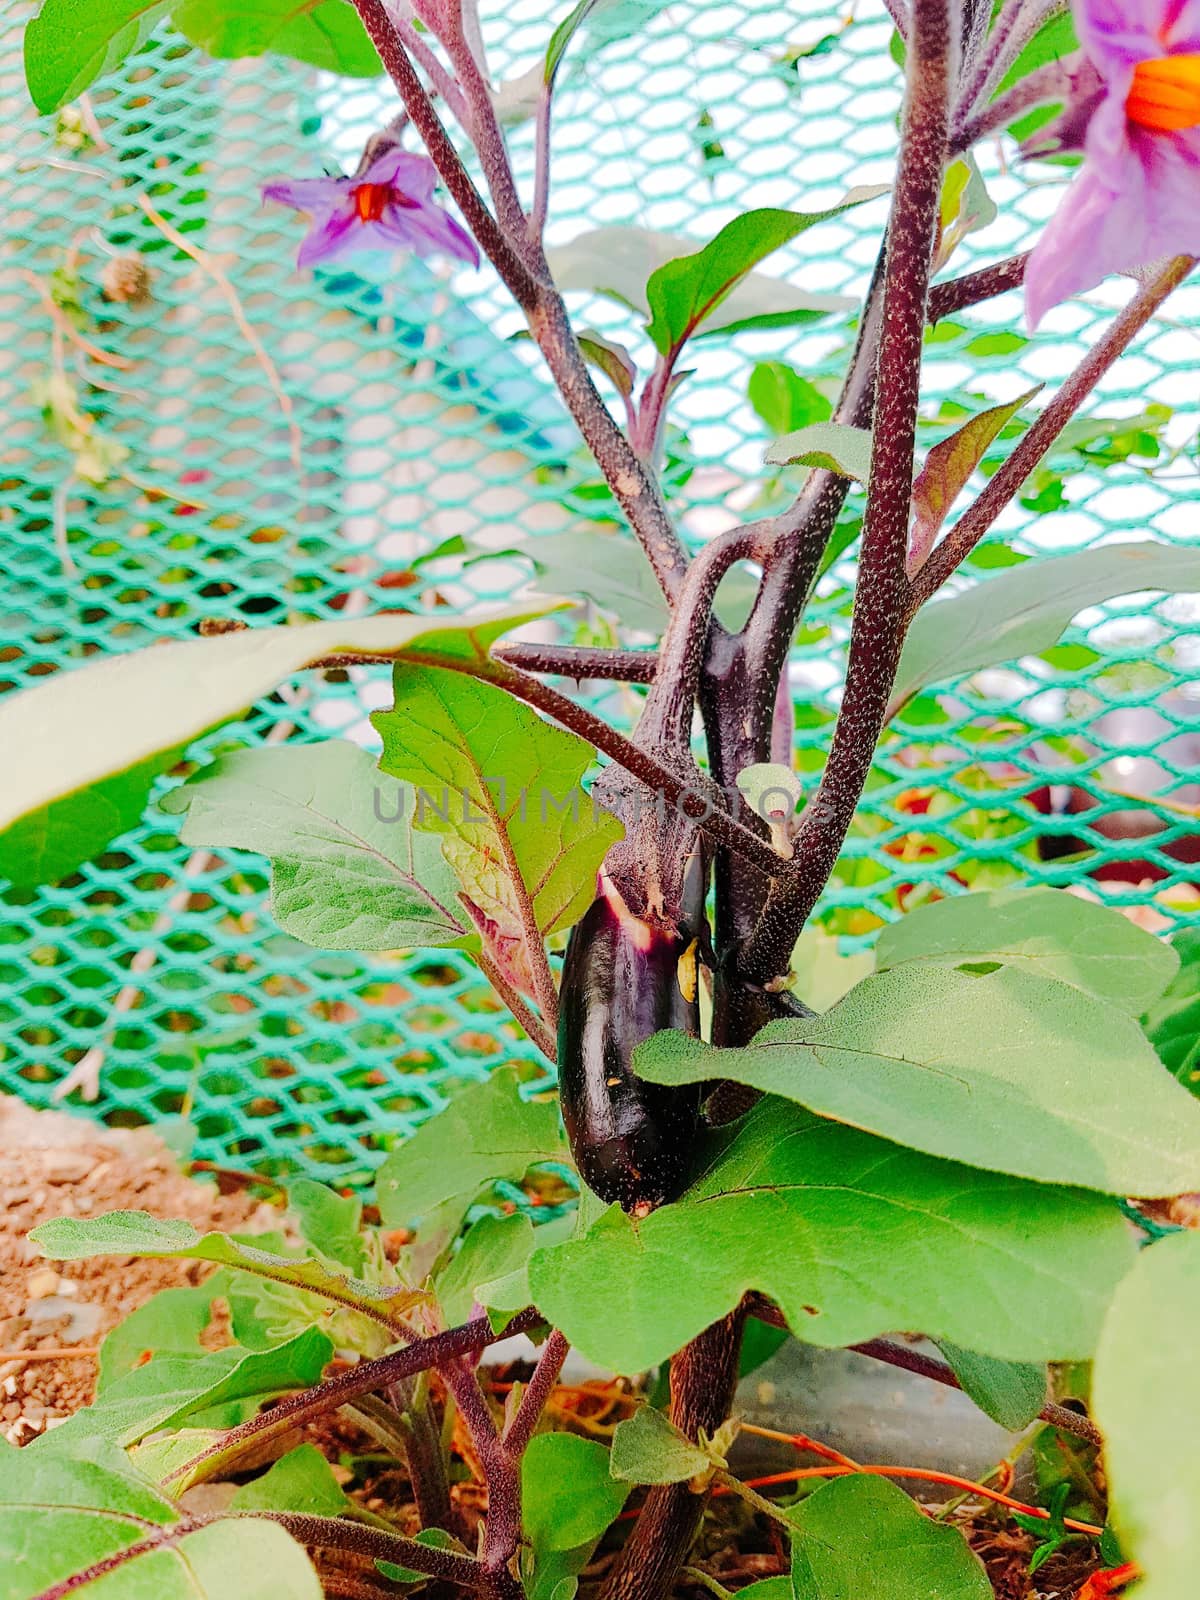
(255, 443)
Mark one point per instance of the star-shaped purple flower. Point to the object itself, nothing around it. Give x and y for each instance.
(390, 206)
(1137, 198)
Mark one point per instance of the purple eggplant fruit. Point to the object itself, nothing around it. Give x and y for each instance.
(625, 978)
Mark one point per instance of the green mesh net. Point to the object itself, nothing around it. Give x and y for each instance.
(191, 429)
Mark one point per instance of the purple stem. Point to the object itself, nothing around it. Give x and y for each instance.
(533, 1402)
(541, 167)
(581, 661)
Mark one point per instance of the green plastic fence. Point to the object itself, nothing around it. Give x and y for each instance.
(257, 442)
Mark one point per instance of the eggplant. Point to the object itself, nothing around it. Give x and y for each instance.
(625, 978)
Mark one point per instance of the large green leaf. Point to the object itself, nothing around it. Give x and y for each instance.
(217, 1389)
(322, 33)
(80, 752)
(503, 789)
(1010, 1392)
(70, 1504)
(1172, 1023)
(852, 1237)
(1024, 609)
(135, 1233)
(486, 1133)
(862, 1538)
(1046, 931)
(1146, 1395)
(1006, 1070)
(684, 293)
(70, 43)
(568, 1501)
(348, 869)
(621, 261)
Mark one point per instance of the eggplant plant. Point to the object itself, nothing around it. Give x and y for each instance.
(962, 1146)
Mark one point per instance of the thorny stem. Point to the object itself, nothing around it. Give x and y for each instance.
(580, 661)
(881, 594)
(501, 1473)
(537, 1030)
(533, 1402)
(368, 1377)
(1015, 27)
(1037, 439)
(375, 1544)
(956, 294)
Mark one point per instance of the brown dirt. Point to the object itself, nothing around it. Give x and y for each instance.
(53, 1165)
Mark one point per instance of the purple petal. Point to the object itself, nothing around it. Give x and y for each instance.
(414, 176)
(1181, 26)
(308, 194)
(333, 235)
(1117, 34)
(428, 230)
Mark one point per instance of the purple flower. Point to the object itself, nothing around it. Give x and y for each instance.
(388, 207)
(1137, 197)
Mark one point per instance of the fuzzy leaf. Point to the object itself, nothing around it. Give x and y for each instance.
(646, 1448)
(1008, 1071)
(71, 43)
(832, 446)
(348, 870)
(1145, 1390)
(81, 751)
(1010, 1392)
(865, 1238)
(300, 1481)
(1044, 931)
(321, 33)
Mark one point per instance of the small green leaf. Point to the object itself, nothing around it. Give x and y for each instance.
(1010, 1392)
(1145, 1393)
(1008, 1071)
(330, 1222)
(67, 1504)
(567, 1494)
(831, 446)
(71, 43)
(611, 358)
(865, 1238)
(172, 1319)
(321, 33)
(436, 1539)
(1045, 931)
(684, 293)
(300, 1481)
(947, 469)
(81, 751)
(1172, 1024)
(862, 1538)
(135, 1233)
(784, 400)
(494, 1248)
(646, 1448)
(348, 870)
(1024, 610)
(485, 1134)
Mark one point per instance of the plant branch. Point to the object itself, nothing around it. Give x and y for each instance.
(501, 1473)
(160, 1537)
(1016, 25)
(956, 294)
(1037, 439)
(581, 661)
(368, 1377)
(488, 139)
(538, 1031)
(375, 1544)
(533, 1402)
(881, 594)
(1049, 84)
(541, 167)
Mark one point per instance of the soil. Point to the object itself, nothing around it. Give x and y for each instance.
(53, 1316)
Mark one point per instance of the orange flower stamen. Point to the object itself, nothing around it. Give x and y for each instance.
(1165, 94)
(371, 199)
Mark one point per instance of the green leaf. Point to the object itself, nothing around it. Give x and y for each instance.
(494, 1248)
(947, 469)
(1008, 1071)
(218, 1389)
(646, 1448)
(685, 292)
(1172, 1024)
(821, 974)
(71, 43)
(862, 1538)
(1046, 931)
(172, 1319)
(1010, 1392)
(1024, 609)
(485, 1134)
(568, 1496)
(66, 1505)
(832, 446)
(321, 33)
(620, 262)
(82, 749)
(784, 400)
(135, 1233)
(503, 789)
(348, 870)
(610, 358)
(300, 1481)
(330, 1222)
(865, 1237)
(1145, 1393)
